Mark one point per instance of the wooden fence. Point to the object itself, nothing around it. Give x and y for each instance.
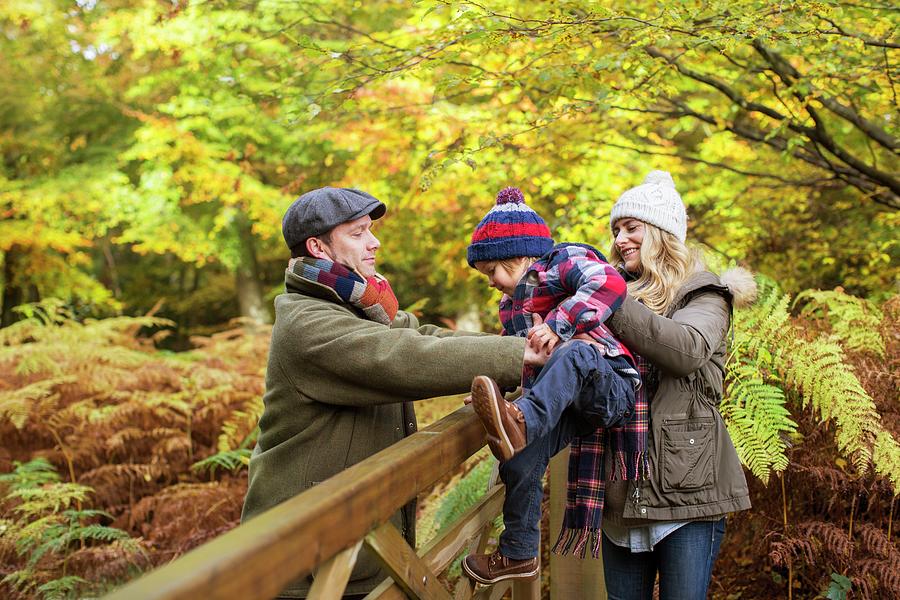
(322, 530)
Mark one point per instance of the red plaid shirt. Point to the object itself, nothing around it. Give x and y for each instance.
(574, 290)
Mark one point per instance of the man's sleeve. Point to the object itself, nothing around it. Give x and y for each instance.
(401, 362)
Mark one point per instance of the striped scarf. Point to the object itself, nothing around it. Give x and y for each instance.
(586, 484)
(373, 296)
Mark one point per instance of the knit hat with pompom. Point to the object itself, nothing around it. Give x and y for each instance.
(656, 201)
(511, 229)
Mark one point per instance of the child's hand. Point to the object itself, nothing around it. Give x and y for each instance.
(541, 337)
(467, 400)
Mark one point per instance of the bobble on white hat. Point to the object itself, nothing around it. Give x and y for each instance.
(656, 201)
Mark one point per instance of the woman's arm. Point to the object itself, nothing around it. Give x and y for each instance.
(679, 345)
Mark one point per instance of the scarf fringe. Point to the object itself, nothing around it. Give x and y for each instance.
(636, 468)
(577, 542)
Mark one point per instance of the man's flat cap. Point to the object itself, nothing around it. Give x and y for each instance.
(319, 211)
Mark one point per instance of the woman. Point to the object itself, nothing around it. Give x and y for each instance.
(676, 317)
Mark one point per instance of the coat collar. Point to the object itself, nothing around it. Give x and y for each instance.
(701, 281)
(294, 284)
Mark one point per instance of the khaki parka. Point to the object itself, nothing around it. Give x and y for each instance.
(339, 389)
(695, 471)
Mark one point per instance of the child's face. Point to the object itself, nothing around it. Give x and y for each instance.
(498, 275)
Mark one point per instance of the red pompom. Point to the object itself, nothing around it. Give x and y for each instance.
(510, 195)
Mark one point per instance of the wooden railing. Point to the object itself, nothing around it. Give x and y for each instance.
(322, 530)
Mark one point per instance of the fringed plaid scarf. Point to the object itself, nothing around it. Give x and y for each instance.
(373, 296)
(587, 479)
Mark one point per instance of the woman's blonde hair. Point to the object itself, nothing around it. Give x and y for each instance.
(666, 263)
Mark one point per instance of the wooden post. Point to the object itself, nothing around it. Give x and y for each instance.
(570, 576)
(332, 577)
(405, 566)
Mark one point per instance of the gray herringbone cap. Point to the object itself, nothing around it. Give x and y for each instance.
(319, 211)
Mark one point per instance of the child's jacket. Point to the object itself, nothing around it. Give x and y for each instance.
(574, 290)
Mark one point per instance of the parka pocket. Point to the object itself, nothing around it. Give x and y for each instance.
(688, 454)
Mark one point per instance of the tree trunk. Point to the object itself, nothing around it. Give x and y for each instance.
(13, 295)
(249, 291)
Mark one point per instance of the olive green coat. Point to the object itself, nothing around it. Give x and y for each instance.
(695, 471)
(339, 389)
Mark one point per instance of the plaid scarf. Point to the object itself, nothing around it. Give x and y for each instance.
(373, 296)
(586, 484)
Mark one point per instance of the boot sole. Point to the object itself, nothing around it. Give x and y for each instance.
(479, 579)
(486, 405)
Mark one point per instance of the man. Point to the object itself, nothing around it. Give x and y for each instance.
(345, 364)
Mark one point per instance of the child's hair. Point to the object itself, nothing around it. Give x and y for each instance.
(510, 265)
(666, 263)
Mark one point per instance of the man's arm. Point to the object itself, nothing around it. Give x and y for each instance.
(370, 363)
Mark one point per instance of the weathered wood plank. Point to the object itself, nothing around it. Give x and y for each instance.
(528, 589)
(492, 592)
(440, 552)
(332, 577)
(257, 559)
(387, 590)
(404, 565)
(570, 576)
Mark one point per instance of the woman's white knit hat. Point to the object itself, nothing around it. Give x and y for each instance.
(656, 201)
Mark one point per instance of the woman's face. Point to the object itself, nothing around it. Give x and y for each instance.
(629, 235)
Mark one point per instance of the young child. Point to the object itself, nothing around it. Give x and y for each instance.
(553, 293)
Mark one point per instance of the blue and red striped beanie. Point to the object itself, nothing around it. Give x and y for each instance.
(509, 230)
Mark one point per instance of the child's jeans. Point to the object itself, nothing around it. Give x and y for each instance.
(576, 392)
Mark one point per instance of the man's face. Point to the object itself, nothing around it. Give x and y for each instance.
(354, 245)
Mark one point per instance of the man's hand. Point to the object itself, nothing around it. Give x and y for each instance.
(535, 358)
(540, 337)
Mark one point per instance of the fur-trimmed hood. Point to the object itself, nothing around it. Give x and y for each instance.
(741, 286)
(737, 284)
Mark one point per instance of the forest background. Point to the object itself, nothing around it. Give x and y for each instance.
(150, 148)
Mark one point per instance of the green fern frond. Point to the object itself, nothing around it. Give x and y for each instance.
(34, 473)
(768, 344)
(64, 587)
(760, 329)
(818, 371)
(56, 540)
(24, 581)
(234, 429)
(886, 458)
(854, 321)
(757, 419)
(229, 460)
(49, 498)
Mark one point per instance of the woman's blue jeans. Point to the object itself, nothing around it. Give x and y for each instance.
(575, 388)
(684, 560)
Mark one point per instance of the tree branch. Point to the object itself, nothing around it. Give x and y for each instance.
(788, 73)
(838, 30)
